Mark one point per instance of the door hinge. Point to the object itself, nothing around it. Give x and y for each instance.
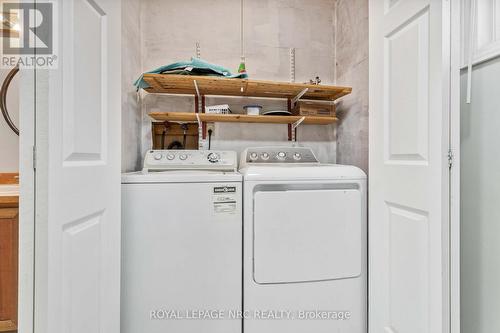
(451, 158)
(34, 158)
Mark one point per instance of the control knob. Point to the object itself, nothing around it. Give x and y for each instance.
(183, 157)
(281, 155)
(254, 156)
(157, 156)
(170, 156)
(297, 156)
(213, 157)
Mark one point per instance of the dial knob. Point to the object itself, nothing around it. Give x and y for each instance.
(157, 156)
(213, 157)
(281, 155)
(183, 157)
(297, 156)
(254, 156)
(170, 156)
(264, 156)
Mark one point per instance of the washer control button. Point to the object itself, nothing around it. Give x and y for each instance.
(297, 156)
(157, 156)
(170, 156)
(264, 156)
(254, 156)
(183, 157)
(213, 157)
(281, 155)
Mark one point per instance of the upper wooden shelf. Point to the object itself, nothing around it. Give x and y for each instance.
(210, 85)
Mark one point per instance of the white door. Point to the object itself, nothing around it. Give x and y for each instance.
(408, 210)
(77, 227)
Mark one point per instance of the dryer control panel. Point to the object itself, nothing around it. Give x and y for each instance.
(278, 155)
(158, 160)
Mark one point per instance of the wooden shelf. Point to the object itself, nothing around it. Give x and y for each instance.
(209, 85)
(8, 326)
(238, 118)
(9, 33)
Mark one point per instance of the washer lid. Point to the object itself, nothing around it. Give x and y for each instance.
(180, 176)
(295, 172)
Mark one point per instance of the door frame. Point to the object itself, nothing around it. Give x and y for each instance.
(27, 195)
(455, 64)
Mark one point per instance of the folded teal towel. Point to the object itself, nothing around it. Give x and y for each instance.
(194, 67)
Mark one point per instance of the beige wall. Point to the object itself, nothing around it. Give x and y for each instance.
(352, 69)
(331, 40)
(131, 68)
(170, 30)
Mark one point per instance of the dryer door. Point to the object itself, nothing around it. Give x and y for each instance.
(307, 235)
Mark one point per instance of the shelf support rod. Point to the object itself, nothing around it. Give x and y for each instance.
(299, 96)
(292, 64)
(200, 130)
(198, 50)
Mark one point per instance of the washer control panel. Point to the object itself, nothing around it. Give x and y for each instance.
(270, 155)
(190, 160)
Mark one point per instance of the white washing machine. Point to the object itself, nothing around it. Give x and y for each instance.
(182, 243)
(305, 266)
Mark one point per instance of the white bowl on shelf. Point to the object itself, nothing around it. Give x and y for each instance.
(253, 110)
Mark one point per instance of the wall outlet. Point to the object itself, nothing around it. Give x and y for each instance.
(211, 126)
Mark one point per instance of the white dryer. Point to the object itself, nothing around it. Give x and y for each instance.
(181, 244)
(304, 254)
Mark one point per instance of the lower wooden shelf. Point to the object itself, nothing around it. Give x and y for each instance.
(239, 118)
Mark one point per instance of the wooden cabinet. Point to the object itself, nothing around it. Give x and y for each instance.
(9, 232)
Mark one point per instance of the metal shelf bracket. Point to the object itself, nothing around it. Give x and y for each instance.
(197, 89)
(294, 128)
(299, 96)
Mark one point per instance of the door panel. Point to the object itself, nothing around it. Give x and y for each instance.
(81, 247)
(408, 263)
(406, 54)
(77, 287)
(85, 82)
(408, 168)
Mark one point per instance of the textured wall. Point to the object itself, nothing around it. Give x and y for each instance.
(170, 30)
(9, 141)
(131, 68)
(352, 69)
